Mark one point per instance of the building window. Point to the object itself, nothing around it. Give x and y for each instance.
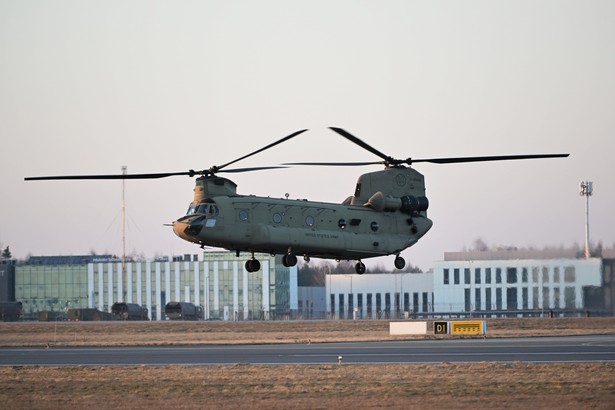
(350, 303)
(477, 276)
(466, 276)
(525, 297)
(535, 272)
(467, 300)
(498, 299)
(446, 276)
(387, 305)
(511, 275)
(425, 302)
(477, 301)
(511, 299)
(498, 275)
(545, 298)
(406, 302)
(488, 275)
(570, 297)
(569, 274)
(456, 276)
(415, 302)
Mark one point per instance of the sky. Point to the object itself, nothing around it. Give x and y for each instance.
(87, 87)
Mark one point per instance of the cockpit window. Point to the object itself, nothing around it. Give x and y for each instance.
(207, 209)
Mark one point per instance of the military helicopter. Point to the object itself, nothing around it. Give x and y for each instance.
(386, 214)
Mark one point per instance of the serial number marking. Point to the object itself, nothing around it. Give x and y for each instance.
(321, 235)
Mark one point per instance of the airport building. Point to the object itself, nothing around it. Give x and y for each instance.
(500, 283)
(521, 282)
(379, 295)
(219, 283)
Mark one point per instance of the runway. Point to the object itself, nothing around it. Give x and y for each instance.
(599, 348)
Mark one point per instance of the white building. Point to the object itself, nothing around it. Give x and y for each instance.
(513, 281)
(379, 296)
(219, 283)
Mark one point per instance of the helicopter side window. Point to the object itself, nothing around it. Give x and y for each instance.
(357, 191)
(213, 211)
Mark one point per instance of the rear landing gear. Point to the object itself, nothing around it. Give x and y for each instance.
(400, 263)
(253, 265)
(360, 268)
(289, 260)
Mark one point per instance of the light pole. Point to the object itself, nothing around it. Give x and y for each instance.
(586, 190)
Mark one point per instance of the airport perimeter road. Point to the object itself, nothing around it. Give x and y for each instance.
(539, 349)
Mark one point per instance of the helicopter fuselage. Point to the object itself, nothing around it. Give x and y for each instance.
(386, 215)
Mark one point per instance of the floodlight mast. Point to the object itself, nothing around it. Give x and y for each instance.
(124, 172)
(586, 190)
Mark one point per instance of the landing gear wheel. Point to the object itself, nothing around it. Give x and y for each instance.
(400, 263)
(289, 260)
(253, 265)
(360, 268)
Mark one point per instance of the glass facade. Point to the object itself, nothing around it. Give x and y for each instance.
(220, 284)
(54, 288)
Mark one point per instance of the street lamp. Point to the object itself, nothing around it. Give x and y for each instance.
(586, 189)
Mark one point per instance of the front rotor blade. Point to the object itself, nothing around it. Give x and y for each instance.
(484, 159)
(236, 170)
(294, 134)
(190, 173)
(362, 144)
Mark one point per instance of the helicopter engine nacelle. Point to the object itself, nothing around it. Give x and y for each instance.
(406, 204)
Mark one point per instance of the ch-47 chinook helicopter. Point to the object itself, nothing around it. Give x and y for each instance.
(386, 214)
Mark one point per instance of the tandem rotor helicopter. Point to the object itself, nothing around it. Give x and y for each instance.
(386, 214)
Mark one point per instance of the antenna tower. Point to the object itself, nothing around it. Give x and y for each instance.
(586, 190)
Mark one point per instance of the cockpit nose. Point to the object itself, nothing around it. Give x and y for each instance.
(188, 228)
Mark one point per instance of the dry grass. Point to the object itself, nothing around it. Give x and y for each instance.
(182, 333)
(475, 385)
(479, 385)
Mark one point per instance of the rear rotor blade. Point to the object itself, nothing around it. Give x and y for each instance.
(362, 144)
(410, 161)
(337, 164)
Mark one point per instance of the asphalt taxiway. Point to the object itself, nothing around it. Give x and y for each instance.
(600, 348)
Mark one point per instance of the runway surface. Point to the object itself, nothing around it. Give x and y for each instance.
(540, 349)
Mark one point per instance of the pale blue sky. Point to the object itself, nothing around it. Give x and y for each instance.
(89, 86)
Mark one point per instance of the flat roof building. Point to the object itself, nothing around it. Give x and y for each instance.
(528, 282)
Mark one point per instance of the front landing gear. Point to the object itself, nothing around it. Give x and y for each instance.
(360, 268)
(400, 263)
